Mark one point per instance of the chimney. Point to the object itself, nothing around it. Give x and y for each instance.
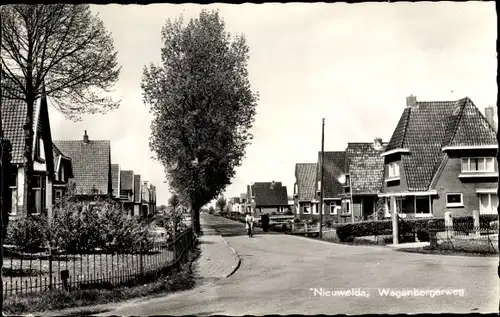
(491, 116)
(272, 185)
(377, 143)
(85, 138)
(411, 101)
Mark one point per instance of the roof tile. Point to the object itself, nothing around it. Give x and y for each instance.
(305, 173)
(334, 168)
(366, 167)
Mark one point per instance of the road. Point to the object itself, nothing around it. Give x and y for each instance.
(277, 274)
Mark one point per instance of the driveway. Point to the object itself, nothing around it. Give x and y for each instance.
(281, 274)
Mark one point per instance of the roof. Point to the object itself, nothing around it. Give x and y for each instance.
(429, 126)
(334, 167)
(126, 180)
(267, 194)
(305, 174)
(115, 178)
(13, 119)
(366, 167)
(91, 164)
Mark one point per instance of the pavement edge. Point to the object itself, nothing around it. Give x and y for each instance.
(237, 256)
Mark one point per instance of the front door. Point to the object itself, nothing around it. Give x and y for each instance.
(368, 208)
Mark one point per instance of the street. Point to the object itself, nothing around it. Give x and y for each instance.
(278, 275)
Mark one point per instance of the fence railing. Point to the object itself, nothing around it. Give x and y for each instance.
(466, 236)
(38, 272)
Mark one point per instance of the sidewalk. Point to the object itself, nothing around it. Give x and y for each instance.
(217, 259)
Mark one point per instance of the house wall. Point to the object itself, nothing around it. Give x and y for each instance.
(394, 186)
(137, 210)
(449, 182)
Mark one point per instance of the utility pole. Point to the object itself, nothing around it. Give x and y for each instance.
(322, 186)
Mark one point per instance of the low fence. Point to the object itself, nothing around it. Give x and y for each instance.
(465, 236)
(27, 273)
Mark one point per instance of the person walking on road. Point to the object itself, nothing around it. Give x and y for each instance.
(249, 224)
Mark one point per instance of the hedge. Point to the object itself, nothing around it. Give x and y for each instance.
(408, 227)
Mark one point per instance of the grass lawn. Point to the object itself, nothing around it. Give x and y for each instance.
(429, 250)
(59, 300)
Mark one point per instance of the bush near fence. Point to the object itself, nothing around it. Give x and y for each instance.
(419, 228)
(94, 241)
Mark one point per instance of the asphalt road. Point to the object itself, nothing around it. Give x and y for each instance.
(279, 275)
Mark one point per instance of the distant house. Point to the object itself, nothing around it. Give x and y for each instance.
(152, 199)
(13, 116)
(127, 191)
(148, 200)
(91, 160)
(441, 157)
(333, 187)
(304, 191)
(268, 197)
(115, 181)
(245, 206)
(235, 205)
(363, 179)
(63, 172)
(137, 195)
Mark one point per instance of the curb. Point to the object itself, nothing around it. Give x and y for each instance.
(237, 256)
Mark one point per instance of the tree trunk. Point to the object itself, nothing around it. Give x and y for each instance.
(195, 218)
(28, 158)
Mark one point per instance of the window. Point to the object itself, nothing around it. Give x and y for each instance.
(347, 209)
(454, 200)
(15, 201)
(39, 193)
(478, 164)
(315, 209)
(296, 189)
(58, 194)
(488, 204)
(422, 205)
(307, 209)
(39, 149)
(393, 170)
(333, 208)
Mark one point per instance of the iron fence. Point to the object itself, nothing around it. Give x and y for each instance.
(465, 236)
(38, 272)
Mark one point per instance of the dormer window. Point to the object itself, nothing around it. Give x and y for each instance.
(478, 164)
(393, 170)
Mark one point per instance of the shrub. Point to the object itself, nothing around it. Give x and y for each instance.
(289, 213)
(348, 232)
(296, 220)
(28, 234)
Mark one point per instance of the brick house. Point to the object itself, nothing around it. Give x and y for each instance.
(91, 161)
(304, 193)
(363, 179)
(268, 197)
(13, 116)
(334, 171)
(148, 199)
(441, 157)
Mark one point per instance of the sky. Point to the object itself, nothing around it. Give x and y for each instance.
(352, 64)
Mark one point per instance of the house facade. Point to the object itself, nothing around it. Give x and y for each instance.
(304, 194)
(115, 181)
(137, 195)
(363, 180)
(268, 198)
(335, 205)
(91, 161)
(441, 157)
(13, 119)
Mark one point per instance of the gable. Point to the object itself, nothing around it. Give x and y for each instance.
(91, 164)
(366, 168)
(471, 128)
(268, 195)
